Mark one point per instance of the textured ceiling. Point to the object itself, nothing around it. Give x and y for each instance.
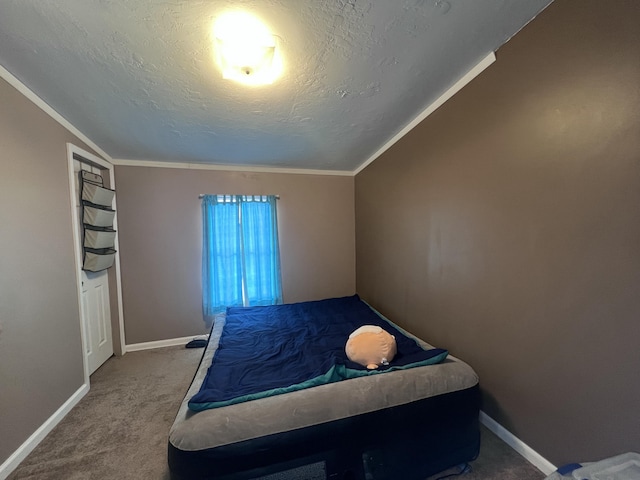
(138, 78)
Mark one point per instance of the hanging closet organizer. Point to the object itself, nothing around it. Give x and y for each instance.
(98, 235)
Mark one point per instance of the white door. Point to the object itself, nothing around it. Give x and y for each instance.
(97, 318)
(95, 311)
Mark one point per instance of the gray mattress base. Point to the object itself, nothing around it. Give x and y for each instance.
(422, 418)
(411, 441)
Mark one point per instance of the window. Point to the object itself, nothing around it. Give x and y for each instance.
(240, 254)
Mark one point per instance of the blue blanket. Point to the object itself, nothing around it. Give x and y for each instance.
(265, 351)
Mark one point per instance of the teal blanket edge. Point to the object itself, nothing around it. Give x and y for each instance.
(336, 373)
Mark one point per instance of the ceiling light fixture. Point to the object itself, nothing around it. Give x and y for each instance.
(246, 50)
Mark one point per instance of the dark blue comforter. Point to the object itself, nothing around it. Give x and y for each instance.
(266, 351)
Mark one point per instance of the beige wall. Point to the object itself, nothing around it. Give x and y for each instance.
(40, 343)
(506, 228)
(160, 229)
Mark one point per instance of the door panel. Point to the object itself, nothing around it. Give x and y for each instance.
(88, 344)
(96, 313)
(97, 318)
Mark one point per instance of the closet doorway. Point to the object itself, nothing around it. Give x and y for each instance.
(96, 289)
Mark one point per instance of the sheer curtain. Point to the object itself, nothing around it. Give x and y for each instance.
(241, 258)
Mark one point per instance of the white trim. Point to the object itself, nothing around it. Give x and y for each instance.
(71, 149)
(77, 255)
(232, 168)
(533, 457)
(46, 108)
(455, 88)
(123, 346)
(170, 342)
(32, 442)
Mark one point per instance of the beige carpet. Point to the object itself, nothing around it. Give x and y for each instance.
(119, 430)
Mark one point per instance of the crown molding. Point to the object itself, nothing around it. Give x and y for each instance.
(229, 168)
(48, 109)
(455, 88)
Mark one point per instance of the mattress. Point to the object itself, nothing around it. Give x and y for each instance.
(366, 427)
(265, 351)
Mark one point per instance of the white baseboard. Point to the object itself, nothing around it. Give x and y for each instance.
(171, 342)
(533, 457)
(32, 442)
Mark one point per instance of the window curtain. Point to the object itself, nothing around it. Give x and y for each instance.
(241, 258)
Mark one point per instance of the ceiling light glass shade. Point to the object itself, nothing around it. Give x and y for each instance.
(245, 50)
(243, 62)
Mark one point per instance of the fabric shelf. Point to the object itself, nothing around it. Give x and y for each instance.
(97, 195)
(96, 237)
(97, 217)
(97, 259)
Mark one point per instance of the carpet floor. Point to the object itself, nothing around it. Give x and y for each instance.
(119, 429)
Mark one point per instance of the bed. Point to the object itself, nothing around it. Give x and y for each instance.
(405, 422)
